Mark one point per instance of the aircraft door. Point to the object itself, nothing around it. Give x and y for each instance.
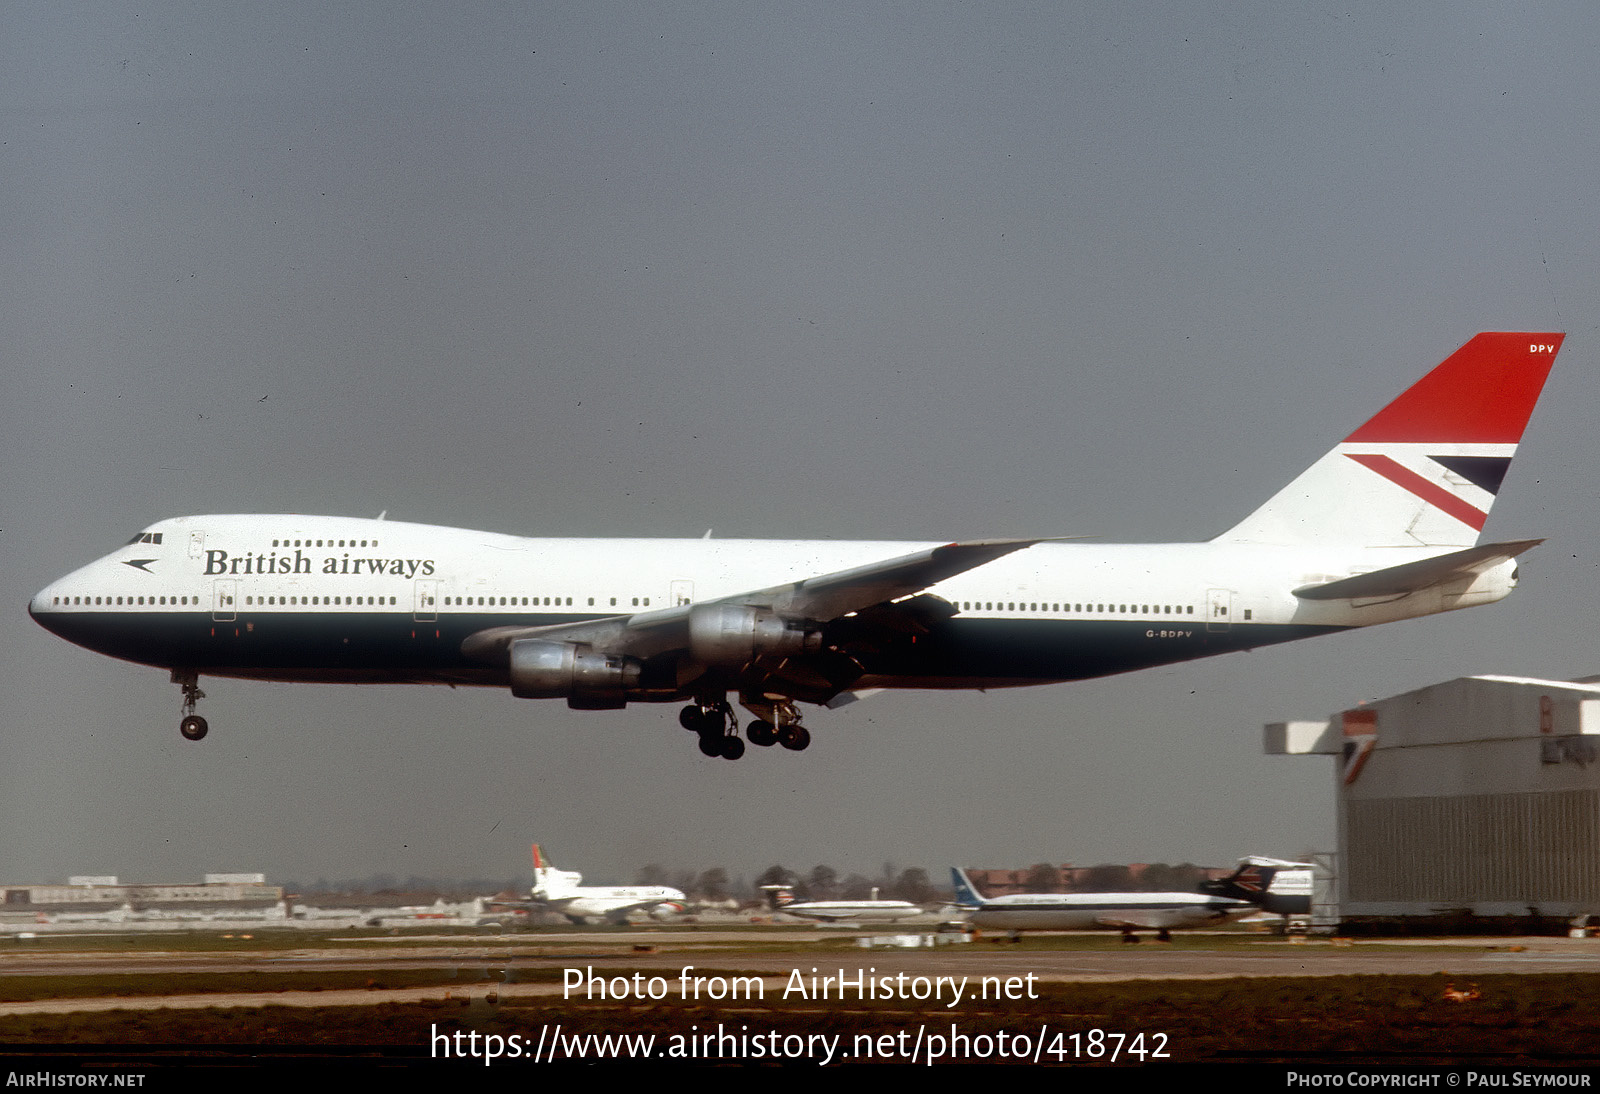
(1219, 609)
(225, 592)
(426, 609)
(681, 593)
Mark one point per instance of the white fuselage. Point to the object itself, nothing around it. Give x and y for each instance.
(343, 599)
(1088, 911)
(561, 891)
(853, 911)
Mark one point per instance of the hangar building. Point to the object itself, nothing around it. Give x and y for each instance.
(1468, 800)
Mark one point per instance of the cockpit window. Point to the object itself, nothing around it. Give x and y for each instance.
(144, 537)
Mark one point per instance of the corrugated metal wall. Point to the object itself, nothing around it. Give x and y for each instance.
(1527, 848)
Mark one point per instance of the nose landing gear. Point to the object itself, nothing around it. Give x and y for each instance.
(193, 727)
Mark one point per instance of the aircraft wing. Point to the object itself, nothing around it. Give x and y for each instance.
(819, 599)
(832, 595)
(1413, 577)
(617, 911)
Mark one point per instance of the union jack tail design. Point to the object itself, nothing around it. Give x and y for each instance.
(1250, 880)
(1425, 470)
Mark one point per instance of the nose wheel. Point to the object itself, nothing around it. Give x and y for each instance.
(193, 727)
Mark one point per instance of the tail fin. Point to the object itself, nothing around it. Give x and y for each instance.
(778, 896)
(1426, 468)
(1252, 882)
(550, 883)
(540, 871)
(966, 895)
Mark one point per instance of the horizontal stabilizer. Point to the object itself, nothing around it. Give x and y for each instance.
(1413, 577)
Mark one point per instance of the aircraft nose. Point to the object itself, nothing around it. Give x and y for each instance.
(39, 608)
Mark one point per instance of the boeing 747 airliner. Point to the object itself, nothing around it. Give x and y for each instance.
(1384, 527)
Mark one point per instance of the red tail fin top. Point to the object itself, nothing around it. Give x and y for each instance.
(1483, 393)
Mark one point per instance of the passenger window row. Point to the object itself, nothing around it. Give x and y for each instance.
(314, 601)
(637, 602)
(319, 601)
(525, 602)
(1108, 609)
(65, 601)
(321, 543)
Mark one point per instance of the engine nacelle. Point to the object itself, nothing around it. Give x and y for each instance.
(735, 634)
(564, 670)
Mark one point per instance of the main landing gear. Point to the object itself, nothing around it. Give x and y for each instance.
(777, 722)
(791, 735)
(714, 721)
(193, 727)
(715, 724)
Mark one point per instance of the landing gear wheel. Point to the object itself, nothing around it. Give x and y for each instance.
(691, 718)
(711, 744)
(193, 727)
(761, 733)
(732, 748)
(794, 737)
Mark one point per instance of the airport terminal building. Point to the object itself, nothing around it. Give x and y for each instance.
(1471, 801)
(106, 898)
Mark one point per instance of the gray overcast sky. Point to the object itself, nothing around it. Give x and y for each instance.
(799, 270)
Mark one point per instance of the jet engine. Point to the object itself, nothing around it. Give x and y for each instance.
(586, 679)
(735, 634)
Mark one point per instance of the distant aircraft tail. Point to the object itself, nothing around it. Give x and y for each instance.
(550, 883)
(1252, 882)
(966, 895)
(778, 896)
(1425, 469)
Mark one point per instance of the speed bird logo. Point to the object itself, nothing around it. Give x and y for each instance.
(1249, 880)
